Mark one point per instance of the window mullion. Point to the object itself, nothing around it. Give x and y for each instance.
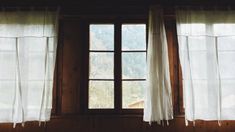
(117, 68)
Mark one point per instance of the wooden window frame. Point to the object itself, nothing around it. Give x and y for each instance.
(175, 69)
(117, 22)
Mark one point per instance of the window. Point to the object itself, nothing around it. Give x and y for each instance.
(101, 71)
(133, 65)
(27, 61)
(117, 66)
(207, 54)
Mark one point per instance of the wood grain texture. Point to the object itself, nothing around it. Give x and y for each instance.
(71, 66)
(115, 123)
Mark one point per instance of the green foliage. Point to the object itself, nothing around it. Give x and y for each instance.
(101, 93)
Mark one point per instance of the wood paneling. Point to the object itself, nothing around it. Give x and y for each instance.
(175, 73)
(114, 123)
(71, 66)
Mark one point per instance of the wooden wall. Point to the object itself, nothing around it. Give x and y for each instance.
(68, 115)
(104, 123)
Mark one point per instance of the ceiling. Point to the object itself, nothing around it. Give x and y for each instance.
(116, 2)
(113, 6)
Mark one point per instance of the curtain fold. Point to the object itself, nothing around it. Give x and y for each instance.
(207, 53)
(158, 96)
(28, 42)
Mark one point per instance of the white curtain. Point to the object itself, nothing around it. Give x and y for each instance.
(207, 55)
(158, 97)
(28, 41)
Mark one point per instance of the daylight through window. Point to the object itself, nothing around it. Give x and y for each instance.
(130, 70)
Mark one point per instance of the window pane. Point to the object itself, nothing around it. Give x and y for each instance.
(101, 65)
(7, 88)
(7, 65)
(133, 37)
(33, 97)
(134, 65)
(7, 44)
(132, 94)
(197, 43)
(228, 95)
(226, 65)
(101, 37)
(226, 43)
(198, 61)
(228, 29)
(36, 66)
(193, 29)
(35, 44)
(101, 94)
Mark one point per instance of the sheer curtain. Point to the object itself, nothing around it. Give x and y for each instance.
(158, 98)
(28, 41)
(207, 56)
